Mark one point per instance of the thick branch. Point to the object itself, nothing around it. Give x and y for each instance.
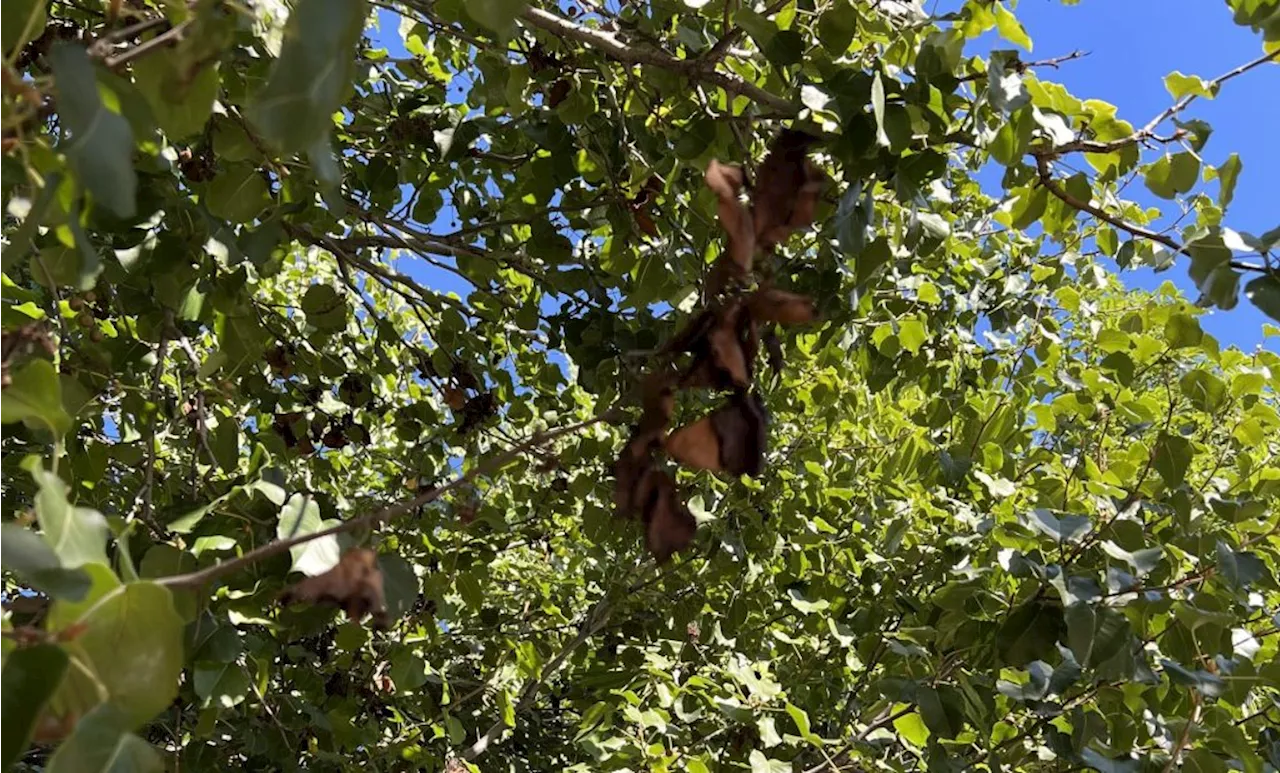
(616, 49)
(488, 466)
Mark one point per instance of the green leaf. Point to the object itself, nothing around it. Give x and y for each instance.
(1205, 390)
(312, 76)
(1029, 633)
(1173, 456)
(1107, 765)
(408, 671)
(34, 562)
(300, 516)
(102, 743)
(1095, 633)
(21, 240)
(1209, 685)
(837, 27)
(1028, 207)
(1180, 85)
(942, 711)
(497, 15)
(762, 764)
(1183, 330)
(31, 674)
(507, 707)
(1143, 561)
(100, 146)
(1264, 292)
(877, 109)
(64, 613)
(1239, 568)
(34, 396)
(911, 728)
(1228, 173)
(25, 20)
(77, 535)
(220, 684)
(1012, 138)
(239, 194)
(1005, 88)
(1065, 528)
(1010, 28)
(399, 584)
(181, 109)
(324, 307)
(912, 335)
(768, 730)
(1172, 175)
(131, 645)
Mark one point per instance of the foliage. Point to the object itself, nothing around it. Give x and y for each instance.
(273, 294)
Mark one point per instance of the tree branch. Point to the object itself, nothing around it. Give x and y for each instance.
(1214, 84)
(1050, 184)
(1021, 66)
(595, 619)
(486, 467)
(695, 69)
(1148, 132)
(724, 45)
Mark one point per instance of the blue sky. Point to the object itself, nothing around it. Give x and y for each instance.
(1132, 45)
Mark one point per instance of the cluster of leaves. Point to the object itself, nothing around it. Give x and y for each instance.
(287, 284)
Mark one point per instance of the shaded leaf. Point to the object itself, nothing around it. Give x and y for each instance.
(34, 396)
(312, 75)
(100, 146)
(31, 674)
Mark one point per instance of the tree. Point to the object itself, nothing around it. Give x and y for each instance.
(275, 298)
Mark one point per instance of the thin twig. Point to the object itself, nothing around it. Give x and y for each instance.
(171, 36)
(724, 45)
(1213, 85)
(693, 68)
(594, 620)
(1020, 66)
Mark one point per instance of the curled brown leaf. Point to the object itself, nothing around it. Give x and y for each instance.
(353, 585)
(669, 526)
(786, 192)
(731, 440)
(735, 263)
(772, 305)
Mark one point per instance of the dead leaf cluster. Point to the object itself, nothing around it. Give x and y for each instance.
(353, 585)
(720, 347)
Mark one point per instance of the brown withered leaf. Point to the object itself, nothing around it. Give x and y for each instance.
(659, 402)
(786, 192)
(735, 263)
(732, 439)
(772, 305)
(455, 398)
(354, 585)
(635, 460)
(724, 356)
(669, 526)
(773, 345)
